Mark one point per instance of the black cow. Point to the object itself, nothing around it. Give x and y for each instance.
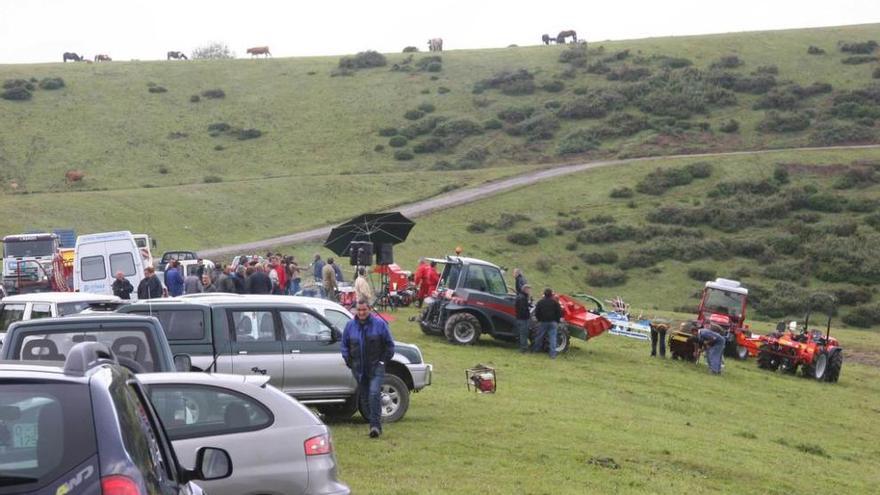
(72, 56)
(176, 56)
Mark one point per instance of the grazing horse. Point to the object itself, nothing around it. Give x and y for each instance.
(259, 50)
(435, 44)
(176, 56)
(103, 58)
(72, 56)
(560, 38)
(545, 38)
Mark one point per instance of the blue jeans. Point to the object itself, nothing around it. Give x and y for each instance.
(714, 356)
(546, 329)
(370, 396)
(522, 328)
(295, 286)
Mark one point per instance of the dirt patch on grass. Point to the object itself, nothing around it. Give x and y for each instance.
(867, 357)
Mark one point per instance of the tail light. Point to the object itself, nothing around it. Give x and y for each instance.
(318, 445)
(119, 485)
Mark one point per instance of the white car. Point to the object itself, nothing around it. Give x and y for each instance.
(277, 445)
(22, 307)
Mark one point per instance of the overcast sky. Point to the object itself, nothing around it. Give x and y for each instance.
(41, 30)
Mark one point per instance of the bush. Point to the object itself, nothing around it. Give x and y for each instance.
(51, 83)
(859, 59)
(435, 144)
(214, 93)
(756, 85)
(413, 114)
(543, 264)
(606, 278)
(218, 127)
(434, 67)
(522, 238)
(403, 155)
(593, 105)
(815, 50)
(575, 55)
(513, 115)
(852, 295)
(541, 126)
(492, 124)
(426, 107)
(421, 127)
(16, 83)
(876, 73)
(661, 180)
(243, 134)
(699, 170)
(628, 74)
(17, 93)
(212, 179)
(458, 127)
(599, 257)
(157, 89)
(478, 227)
(410, 49)
(553, 86)
(212, 51)
(540, 232)
(727, 62)
(729, 126)
(829, 133)
(601, 220)
(784, 122)
(508, 220)
(675, 62)
(859, 47)
(577, 142)
(363, 60)
(572, 224)
(442, 90)
(379, 148)
(609, 234)
(621, 192)
(863, 316)
(426, 61)
(195, 99)
(552, 105)
(701, 274)
(397, 142)
(767, 69)
(388, 131)
(519, 82)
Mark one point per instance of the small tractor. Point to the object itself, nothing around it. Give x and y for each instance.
(472, 299)
(818, 356)
(723, 305)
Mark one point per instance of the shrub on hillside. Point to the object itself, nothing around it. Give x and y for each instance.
(606, 278)
(379, 148)
(442, 90)
(859, 59)
(851, 295)
(815, 50)
(195, 98)
(388, 131)
(363, 60)
(426, 107)
(859, 47)
(543, 264)
(661, 180)
(599, 257)
(627, 73)
(478, 227)
(578, 142)
(729, 126)
(18, 83)
(51, 83)
(513, 115)
(831, 133)
(540, 232)
(876, 73)
(553, 86)
(784, 122)
(522, 238)
(243, 134)
(675, 62)
(609, 234)
(17, 93)
(572, 224)
(424, 62)
(410, 49)
(435, 144)
(513, 83)
(413, 114)
(601, 220)
(218, 127)
(397, 142)
(421, 127)
(157, 89)
(727, 62)
(458, 127)
(621, 124)
(508, 220)
(212, 179)
(621, 192)
(403, 155)
(863, 316)
(538, 127)
(757, 85)
(767, 69)
(575, 55)
(493, 124)
(701, 274)
(214, 93)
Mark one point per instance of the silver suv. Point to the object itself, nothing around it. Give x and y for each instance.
(295, 340)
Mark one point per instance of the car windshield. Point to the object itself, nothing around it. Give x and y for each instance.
(46, 429)
(20, 249)
(133, 344)
(722, 301)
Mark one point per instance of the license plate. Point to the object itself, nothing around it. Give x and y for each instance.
(24, 435)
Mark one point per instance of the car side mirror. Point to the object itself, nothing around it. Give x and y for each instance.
(182, 362)
(211, 464)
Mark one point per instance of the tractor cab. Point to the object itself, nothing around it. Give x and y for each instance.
(723, 304)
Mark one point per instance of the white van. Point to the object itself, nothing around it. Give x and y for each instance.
(98, 257)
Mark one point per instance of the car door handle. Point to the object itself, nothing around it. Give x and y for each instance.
(242, 352)
(258, 370)
(294, 351)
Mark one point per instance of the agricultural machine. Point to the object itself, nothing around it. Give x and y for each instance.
(818, 356)
(723, 305)
(472, 299)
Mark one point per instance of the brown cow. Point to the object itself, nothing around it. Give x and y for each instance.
(259, 50)
(103, 58)
(74, 175)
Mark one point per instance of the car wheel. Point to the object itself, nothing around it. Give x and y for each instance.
(463, 329)
(339, 412)
(393, 399)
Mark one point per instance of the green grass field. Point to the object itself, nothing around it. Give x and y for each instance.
(148, 147)
(670, 426)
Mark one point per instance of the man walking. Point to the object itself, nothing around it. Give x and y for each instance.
(150, 287)
(362, 289)
(366, 346)
(318, 272)
(328, 277)
(122, 288)
(523, 308)
(548, 312)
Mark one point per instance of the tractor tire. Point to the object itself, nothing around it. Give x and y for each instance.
(339, 412)
(463, 329)
(835, 364)
(766, 360)
(393, 400)
(426, 327)
(563, 341)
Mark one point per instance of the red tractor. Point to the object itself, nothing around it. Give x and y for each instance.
(724, 304)
(818, 356)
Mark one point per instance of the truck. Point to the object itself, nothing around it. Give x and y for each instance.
(98, 257)
(27, 262)
(145, 244)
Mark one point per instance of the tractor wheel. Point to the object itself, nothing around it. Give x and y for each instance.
(463, 329)
(563, 341)
(835, 364)
(766, 360)
(426, 327)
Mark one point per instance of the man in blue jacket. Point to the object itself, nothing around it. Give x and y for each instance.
(174, 279)
(367, 345)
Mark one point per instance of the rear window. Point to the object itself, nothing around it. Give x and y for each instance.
(46, 429)
(187, 324)
(132, 344)
(122, 262)
(9, 314)
(92, 268)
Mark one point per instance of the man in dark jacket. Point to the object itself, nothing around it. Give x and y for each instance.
(174, 279)
(122, 288)
(366, 346)
(257, 282)
(519, 280)
(523, 308)
(150, 287)
(548, 312)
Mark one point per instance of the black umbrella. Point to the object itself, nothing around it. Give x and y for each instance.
(378, 228)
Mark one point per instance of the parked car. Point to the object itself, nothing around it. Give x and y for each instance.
(89, 428)
(49, 304)
(293, 340)
(247, 417)
(138, 342)
(175, 255)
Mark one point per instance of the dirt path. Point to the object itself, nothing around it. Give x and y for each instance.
(471, 194)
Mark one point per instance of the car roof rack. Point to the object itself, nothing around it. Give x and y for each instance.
(86, 355)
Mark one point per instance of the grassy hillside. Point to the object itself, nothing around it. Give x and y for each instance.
(106, 121)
